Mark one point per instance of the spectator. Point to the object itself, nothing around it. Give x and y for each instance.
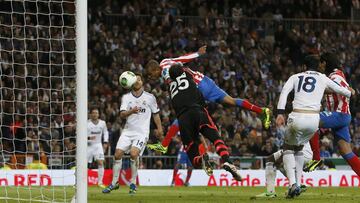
(36, 163)
(324, 153)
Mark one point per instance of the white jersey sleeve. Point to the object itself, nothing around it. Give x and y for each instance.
(153, 105)
(124, 103)
(288, 87)
(336, 87)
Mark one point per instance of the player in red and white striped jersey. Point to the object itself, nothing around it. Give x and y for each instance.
(336, 102)
(337, 117)
(165, 64)
(207, 87)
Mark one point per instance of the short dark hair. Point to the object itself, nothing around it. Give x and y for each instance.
(331, 60)
(312, 62)
(151, 63)
(94, 108)
(175, 71)
(138, 73)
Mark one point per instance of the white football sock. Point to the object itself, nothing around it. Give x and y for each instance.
(289, 166)
(134, 164)
(270, 174)
(116, 171)
(100, 175)
(299, 161)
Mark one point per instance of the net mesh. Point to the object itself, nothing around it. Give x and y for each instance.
(37, 59)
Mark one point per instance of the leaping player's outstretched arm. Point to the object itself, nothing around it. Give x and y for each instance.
(166, 63)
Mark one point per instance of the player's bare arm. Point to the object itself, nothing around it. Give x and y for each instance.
(159, 133)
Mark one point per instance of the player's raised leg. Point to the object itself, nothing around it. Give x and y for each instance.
(214, 93)
(163, 146)
(263, 112)
(210, 132)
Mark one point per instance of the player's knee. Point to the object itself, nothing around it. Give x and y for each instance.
(134, 154)
(118, 154)
(344, 147)
(229, 100)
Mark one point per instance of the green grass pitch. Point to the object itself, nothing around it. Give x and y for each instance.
(187, 194)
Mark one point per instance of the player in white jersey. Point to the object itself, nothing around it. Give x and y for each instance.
(137, 107)
(303, 121)
(97, 130)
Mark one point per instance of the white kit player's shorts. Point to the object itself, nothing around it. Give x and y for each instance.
(301, 127)
(126, 142)
(95, 151)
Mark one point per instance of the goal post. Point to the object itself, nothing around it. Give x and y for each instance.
(81, 100)
(43, 100)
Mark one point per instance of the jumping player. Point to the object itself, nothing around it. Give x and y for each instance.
(207, 87)
(193, 118)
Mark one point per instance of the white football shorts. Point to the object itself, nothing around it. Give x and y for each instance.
(95, 151)
(126, 142)
(301, 127)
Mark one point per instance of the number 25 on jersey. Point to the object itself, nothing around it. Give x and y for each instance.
(179, 84)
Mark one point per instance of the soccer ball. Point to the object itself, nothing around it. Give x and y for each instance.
(127, 79)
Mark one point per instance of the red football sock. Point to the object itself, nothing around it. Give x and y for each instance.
(173, 130)
(197, 161)
(354, 162)
(222, 150)
(174, 174)
(315, 146)
(188, 176)
(251, 107)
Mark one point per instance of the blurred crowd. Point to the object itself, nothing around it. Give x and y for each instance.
(249, 58)
(326, 9)
(37, 55)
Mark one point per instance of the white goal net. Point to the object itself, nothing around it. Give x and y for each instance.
(38, 82)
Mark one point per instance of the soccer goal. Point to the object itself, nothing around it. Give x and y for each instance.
(43, 100)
